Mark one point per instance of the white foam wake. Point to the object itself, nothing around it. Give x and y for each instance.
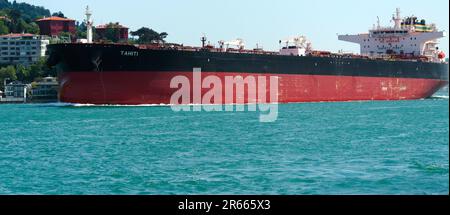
(116, 105)
(439, 97)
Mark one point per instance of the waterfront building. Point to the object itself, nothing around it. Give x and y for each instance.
(54, 26)
(16, 91)
(22, 49)
(45, 90)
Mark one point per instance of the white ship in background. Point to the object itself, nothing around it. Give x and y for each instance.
(408, 38)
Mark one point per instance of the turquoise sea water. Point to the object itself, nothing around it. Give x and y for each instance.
(382, 147)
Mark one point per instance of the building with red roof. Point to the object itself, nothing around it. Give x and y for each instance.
(53, 26)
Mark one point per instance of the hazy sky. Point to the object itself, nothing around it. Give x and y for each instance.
(256, 21)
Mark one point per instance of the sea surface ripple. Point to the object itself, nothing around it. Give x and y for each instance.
(379, 147)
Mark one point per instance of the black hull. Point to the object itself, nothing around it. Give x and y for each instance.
(100, 57)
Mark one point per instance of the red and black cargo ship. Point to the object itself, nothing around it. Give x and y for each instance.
(127, 74)
(395, 63)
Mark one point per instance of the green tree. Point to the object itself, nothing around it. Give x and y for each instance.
(3, 28)
(14, 19)
(4, 4)
(8, 72)
(28, 12)
(59, 14)
(15, 15)
(65, 36)
(147, 35)
(32, 28)
(21, 26)
(112, 34)
(81, 30)
(22, 73)
(39, 69)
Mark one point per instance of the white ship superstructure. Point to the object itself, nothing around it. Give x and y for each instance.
(295, 46)
(410, 37)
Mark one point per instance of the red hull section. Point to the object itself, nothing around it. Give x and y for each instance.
(134, 88)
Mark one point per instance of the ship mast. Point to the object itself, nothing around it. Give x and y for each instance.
(203, 41)
(397, 19)
(89, 25)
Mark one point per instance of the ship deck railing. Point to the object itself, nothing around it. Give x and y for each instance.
(315, 53)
